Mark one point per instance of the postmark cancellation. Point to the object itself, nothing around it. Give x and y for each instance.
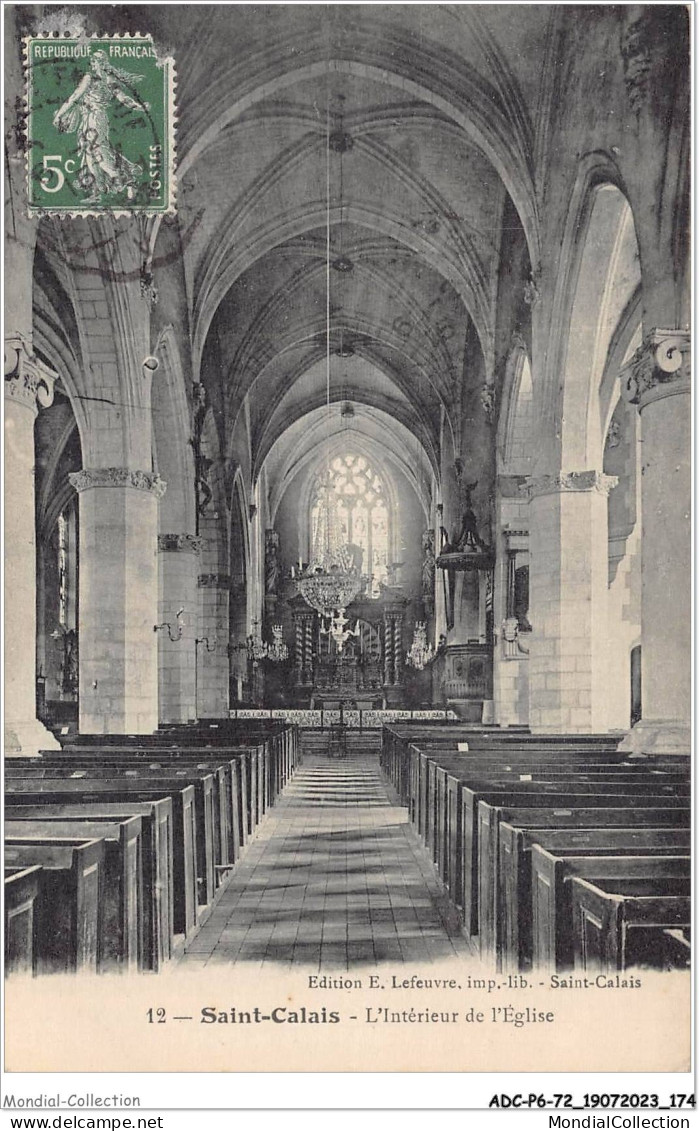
(100, 125)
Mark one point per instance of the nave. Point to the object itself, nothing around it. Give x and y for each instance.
(262, 843)
(336, 878)
(389, 420)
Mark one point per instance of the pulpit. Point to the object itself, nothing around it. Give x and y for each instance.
(468, 592)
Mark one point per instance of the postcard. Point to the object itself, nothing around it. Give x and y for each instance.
(347, 545)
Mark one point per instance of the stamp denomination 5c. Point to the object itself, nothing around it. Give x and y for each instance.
(100, 126)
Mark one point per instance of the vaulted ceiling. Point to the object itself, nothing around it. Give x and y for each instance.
(394, 132)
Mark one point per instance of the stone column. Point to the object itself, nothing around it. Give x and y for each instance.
(568, 601)
(212, 651)
(657, 380)
(118, 599)
(511, 653)
(27, 383)
(178, 559)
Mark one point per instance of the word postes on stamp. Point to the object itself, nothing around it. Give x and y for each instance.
(100, 126)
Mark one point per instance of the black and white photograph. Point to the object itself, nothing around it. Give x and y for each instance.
(347, 540)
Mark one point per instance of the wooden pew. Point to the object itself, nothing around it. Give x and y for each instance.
(443, 830)
(676, 949)
(122, 943)
(158, 839)
(166, 780)
(273, 754)
(535, 795)
(618, 923)
(552, 909)
(434, 781)
(429, 779)
(138, 763)
(511, 942)
(397, 739)
(249, 776)
(440, 777)
(423, 805)
(69, 791)
(242, 733)
(277, 746)
(70, 901)
(493, 813)
(403, 777)
(445, 776)
(247, 767)
(243, 781)
(21, 919)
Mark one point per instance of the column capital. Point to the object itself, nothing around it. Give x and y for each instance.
(567, 481)
(213, 581)
(178, 543)
(303, 614)
(89, 477)
(392, 615)
(659, 368)
(510, 486)
(27, 380)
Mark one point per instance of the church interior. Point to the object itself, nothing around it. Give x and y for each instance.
(347, 507)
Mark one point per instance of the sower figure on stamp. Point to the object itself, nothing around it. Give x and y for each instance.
(102, 168)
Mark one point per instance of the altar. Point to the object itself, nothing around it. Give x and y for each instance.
(365, 671)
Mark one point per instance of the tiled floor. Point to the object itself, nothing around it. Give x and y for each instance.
(335, 876)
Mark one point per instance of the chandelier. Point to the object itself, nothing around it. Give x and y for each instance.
(420, 652)
(277, 650)
(258, 650)
(339, 631)
(331, 580)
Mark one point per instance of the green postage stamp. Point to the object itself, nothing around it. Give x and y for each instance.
(100, 126)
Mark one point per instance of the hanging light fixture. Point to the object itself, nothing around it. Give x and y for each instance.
(339, 630)
(257, 649)
(277, 651)
(330, 581)
(420, 652)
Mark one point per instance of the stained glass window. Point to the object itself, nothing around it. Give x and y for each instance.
(363, 515)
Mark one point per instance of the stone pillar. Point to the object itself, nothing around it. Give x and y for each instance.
(178, 559)
(27, 383)
(657, 380)
(511, 653)
(212, 651)
(118, 599)
(568, 601)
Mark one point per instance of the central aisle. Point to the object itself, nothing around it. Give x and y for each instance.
(334, 877)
